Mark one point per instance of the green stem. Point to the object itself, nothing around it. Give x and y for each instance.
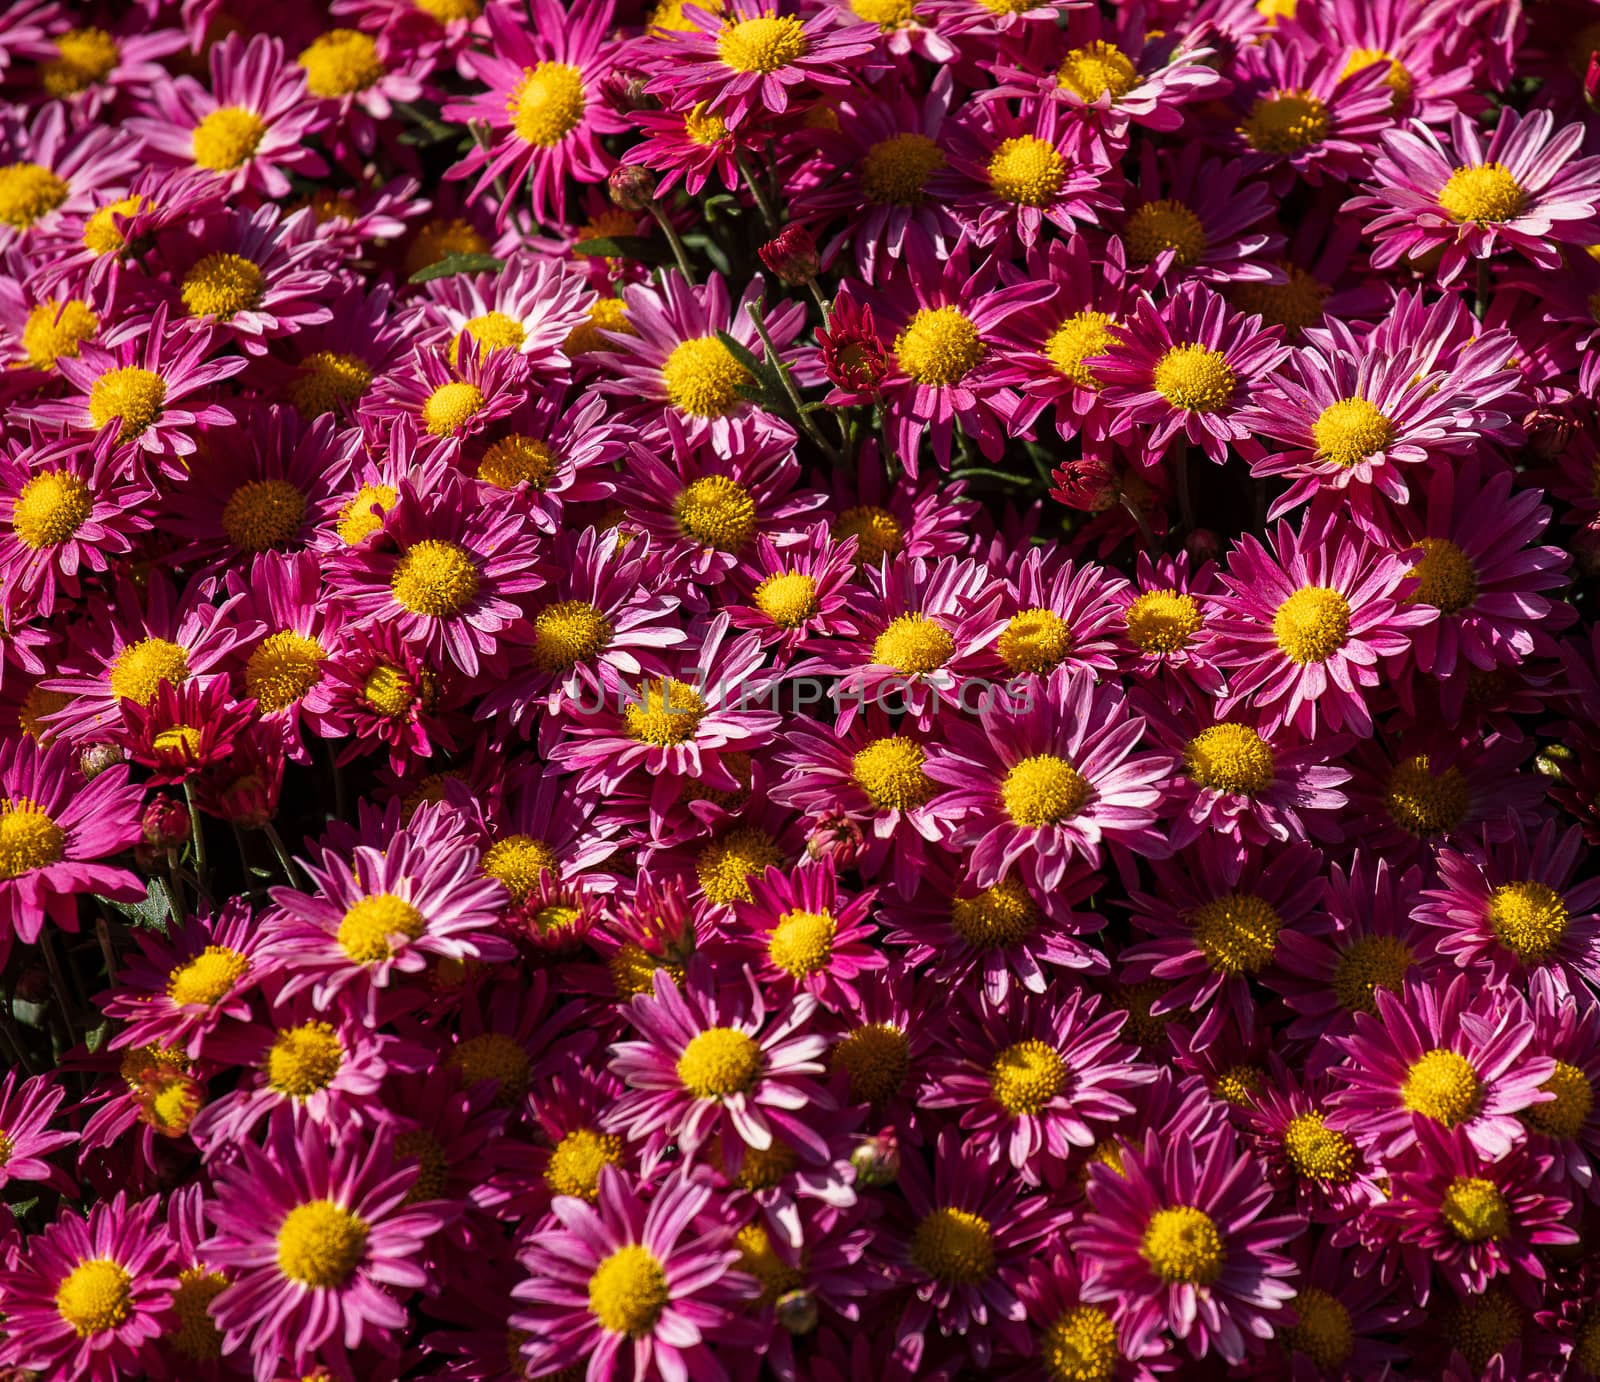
(284, 860)
(679, 252)
(1144, 527)
(1481, 305)
(768, 215)
(776, 361)
(201, 873)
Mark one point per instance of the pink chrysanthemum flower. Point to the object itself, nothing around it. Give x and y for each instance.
(1047, 774)
(623, 1285)
(381, 692)
(1179, 1238)
(1163, 622)
(1070, 1335)
(530, 306)
(185, 731)
(555, 450)
(718, 1061)
(88, 68)
(50, 171)
(26, 1108)
(799, 936)
(1456, 1056)
(88, 1297)
(1065, 614)
(333, 366)
(1185, 369)
(250, 127)
(359, 80)
(544, 104)
(1323, 1172)
(1524, 191)
(689, 144)
(1302, 628)
(1567, 1127)
(1030, 1079)
(449, 395)
(321, 1241)
(798, 594)
(1344, 1320)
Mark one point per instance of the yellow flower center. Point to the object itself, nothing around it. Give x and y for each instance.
(724, 866)
(448, 11)
(1026, 1076)
(1026, 170)
(876, 531)
(760, 1170)
(389, 691)
(1529, 918)
(996, 917)
(633, 970)
(450, 407)
(1322, 1332)
(496, 331)
(100, 232)
(1080, 1346)
(788, 598)
(1005, 7)
(1443, 1086)
(1480, 1327)
(877, 1058)
(341, 62)
(1397, 79)
(1317, 1152)
(518, 460)
(1092, 71)
(1424, 803)
(196, 1335)
(704, 128)
(569, 632)
(135, 395)
(913, 645)
(717, 512)
(1445, 575)
(35, 706)
(763, 44)
(802, 943)
(263, 514)
(895, 170)
(143, 668)
(226, 138)
(1238, 933)
(435, 578)
(1035, 640)
(1565, 1115)
(208, 978)
(371, 924)
(890, 772)
(939, 345)
(283, 667)
(719, 1061)
(83, 58)
(54, 329)
(703, 379)
(1366, 965)
(1485, 193)
(1229, 758)
(628, 1291)
(51, 508)
(1286, 122)
(304, 1059)
(608, 314)
(320, 1244)
(519, 862)
(1312, 624)
(221, 285)
(327, 379)
(1296, 304)
(1194, 378)
(757, 1258)
(666, 712)
(577, 1160)
(955, 1247)
(1475, 1209)
(547, 104)
(27, 192)
(1166, 225)
(1162, 621)
(1349, 431)
(95, 1296)
(495, 1058)
(1082, 336)
(357, 519)
(440, 239)
(1182, 1244)
(886, 14)
(1044, 790)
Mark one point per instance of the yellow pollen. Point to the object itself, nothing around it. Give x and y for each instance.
(702, 127)
(1424, 803)
(196, 1335)
(725, 866)
(547, 104)
(666, 712)
(888, 15)
(1349, 431)
(143, 668)
(96, 1295)
(1443, 1086)
(371, 924)
(263, 515)
(1445, 576)
(1239, 1085)
(83, 58)
(341, 62)
(27, 192)
(1035, 641)
(1286, 122)
(389, 691)
(325, 380)
(54, 329)
(356, 519)
(1238, 933)
(208, 978)
(876, 531)
(718, 1062)
(1485, 193)
(1366, 965)
(569, 632)
(1005, 7)
(954, 1247)
(1529, 919)
(1162, 621)
(304, 1059)
(135, 395)
(1317, 1152)
(435, 578)
(227, 138)
(320, 1244)
(633, 970)
(184, 740)
(283, 667)
(628, 1291)
(1194, 378)
(577, 1160)
(1229, 758)
(763, 44)
(788, 598)
(37, 704)
(1296, 304)
(1323, 1331)
(1312, 624)
(29, 838)
(1026, 1076)
(1096, 70)
(895, 170)
(1565, 1115)
(433, 1168)
(997, 917)
(607, 314)
(1026, 170)
(760, 1170)
(802, 943)
(221, 285)
(451, 407)
(496, 331)
(877, 1058)
(100, 232)
(1475, 1209)
(1081, 337)
(449, 11)
(717, 512)
(493, 1056)
(1397, 79)
(913, 645)
(1480, 1327)
(890, 772)
(518, 460)
(703, 379)
(757, 1258)
(1044, 790)
(1080, 1346)
(51, 508)
(1182, 1244)
(438, 240)
(1166, 225)
(519, 862)
(939, 346)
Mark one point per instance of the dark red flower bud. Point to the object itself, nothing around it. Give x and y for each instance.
(632, 188)
(1203, 545)
(837, 837)
(792, 255)
(166, 823)
(96, 758)
(1089, 484)
(852, 353)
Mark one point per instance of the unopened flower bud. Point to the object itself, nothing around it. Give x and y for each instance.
(1203, 545)
(877, 1161)
(835, 837)
(1549, 431)
(792, 255)
(632, 188)
(166, 823)
(796, 1311)
(96, 758)
(624, 91)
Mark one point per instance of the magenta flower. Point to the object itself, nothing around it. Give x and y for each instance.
(26, 1108)
(799, 936)
(530, 306)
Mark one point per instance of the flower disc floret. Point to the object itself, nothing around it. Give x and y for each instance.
(801, 943)
(1486, 193)
(1322, 1330)
(1195, 378)
(628, 1291)
(1026, 1076)
(368, 925)
(895, 171)
(135, 395)
(435, 578)
(1163, 621)
(1566, 1114)
(717, 512)
(1350, 430)
(1443, 1086)
(1312, 624)
(1475, 1209)
(763, 44)
(95, 1296)
(939, 346)
(29, 191)
(1026, 170)
(955, 1247)
(718, 1062)
(1164, 225)
(1229, 758)
(1182, 1245)
(890, 772)
(1529, 918)
(52, 507)
(1044, 789)
(222, 285)
(208, 978)
(227, 138)
(1317, 1152)
(320, 1244)
(1097, 69)
(1286, 122)
(547, 104)
(1238, 932)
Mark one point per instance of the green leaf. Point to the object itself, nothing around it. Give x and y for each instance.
(768, 391)
(453, 264)
(637, 247)
(151, 911)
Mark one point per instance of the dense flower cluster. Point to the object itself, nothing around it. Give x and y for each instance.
(821, 689)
